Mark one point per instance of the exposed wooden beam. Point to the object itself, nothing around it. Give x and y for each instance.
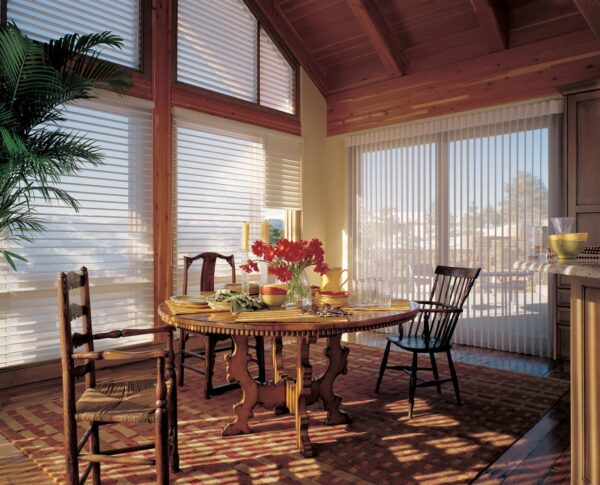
(492, 20)
(524, 72)
(379, 33)
(590, 9)
(270, 13)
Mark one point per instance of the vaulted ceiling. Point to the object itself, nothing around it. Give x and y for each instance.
(385, 61)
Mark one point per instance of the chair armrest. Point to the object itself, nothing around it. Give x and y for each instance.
(445, 308)
(121, 355)
(132, 332)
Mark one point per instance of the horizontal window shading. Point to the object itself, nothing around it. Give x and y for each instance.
(226, 174)
(111, 235)
(276, 77)
(216, 47)
(43, 20)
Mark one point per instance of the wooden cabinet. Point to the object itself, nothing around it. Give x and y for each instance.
(585, 381)
(583, 162)
(581, 187)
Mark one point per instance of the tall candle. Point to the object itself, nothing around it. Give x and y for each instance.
(264, 231)
(245, 236)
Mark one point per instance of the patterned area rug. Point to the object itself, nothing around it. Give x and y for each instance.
(443, 443)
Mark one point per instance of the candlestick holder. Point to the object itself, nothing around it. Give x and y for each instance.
(245, 276)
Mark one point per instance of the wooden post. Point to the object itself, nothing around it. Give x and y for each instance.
(162, 137)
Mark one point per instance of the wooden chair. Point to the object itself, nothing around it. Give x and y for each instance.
(144, 401)
(207, 283)
(431, 332)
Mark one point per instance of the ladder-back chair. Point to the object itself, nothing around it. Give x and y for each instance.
(145, 401)
(432, 331)
(207, 283)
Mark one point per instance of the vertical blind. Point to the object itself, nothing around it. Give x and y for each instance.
(43, 20)
(222, 169)
(220, 47)
(111, 235)
(462, 191)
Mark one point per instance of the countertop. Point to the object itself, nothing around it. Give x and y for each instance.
(567, 267)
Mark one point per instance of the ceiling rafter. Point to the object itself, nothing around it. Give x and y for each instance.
(590, 9)
(269, 13)
(492, 19)
(378, 31)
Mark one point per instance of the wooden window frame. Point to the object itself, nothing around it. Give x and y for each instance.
(188, 90)
(145, 54)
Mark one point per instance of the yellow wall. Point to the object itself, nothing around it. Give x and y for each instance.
(324, 177)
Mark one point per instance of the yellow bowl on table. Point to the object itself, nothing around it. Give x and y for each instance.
(568, 246)
(273, 295)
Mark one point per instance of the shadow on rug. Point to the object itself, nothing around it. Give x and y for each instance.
(443, 443)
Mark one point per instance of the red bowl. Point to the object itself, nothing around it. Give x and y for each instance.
(273, 290)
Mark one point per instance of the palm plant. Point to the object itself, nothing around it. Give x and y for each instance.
(36, 83)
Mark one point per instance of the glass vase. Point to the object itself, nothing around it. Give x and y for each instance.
(298, 291)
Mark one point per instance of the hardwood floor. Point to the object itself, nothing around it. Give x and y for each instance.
(541, 456)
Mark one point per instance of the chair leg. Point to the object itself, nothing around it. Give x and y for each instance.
(95, 449)
(260, 358)
(71, 460)
(454, 378)
(436, 374)
(172, 419)
(383, 366)
(180, 368)
(413, 385)
(162, 447)
(209, 363)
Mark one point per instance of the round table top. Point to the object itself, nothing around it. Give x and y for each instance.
(224, 323)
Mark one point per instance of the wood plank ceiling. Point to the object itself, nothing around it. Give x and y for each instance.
(380, 62)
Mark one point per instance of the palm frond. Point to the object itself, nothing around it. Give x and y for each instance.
(61, 52)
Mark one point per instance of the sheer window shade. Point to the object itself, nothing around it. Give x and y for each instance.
(222, 174)
(277, 78)
(216, 47)
(44, 20)
(461, 191)
(220, 48)
(111, 235)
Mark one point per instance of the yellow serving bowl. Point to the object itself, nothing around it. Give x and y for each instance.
(273, 295)
(568, 246)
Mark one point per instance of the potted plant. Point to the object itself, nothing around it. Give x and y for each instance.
(36, 83)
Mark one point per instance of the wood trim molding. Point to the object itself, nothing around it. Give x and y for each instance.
(162, 152)
(577, 88)
(590, 9)
(270, 13)
(376, 28)
(198, 99)
(492, 20)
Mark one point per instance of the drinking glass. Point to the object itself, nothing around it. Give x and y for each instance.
(562, 225)
(354, 294)
(370, 292)
(384, 293)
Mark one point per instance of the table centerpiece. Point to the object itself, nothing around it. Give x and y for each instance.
(287, 261)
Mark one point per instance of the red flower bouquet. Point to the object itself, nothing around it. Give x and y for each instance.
(287, 260)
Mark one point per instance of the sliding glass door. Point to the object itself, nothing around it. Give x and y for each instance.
(465, 191)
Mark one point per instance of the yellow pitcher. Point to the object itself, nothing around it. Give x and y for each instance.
(332, 280)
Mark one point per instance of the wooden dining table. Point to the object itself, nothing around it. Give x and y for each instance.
(288, 393)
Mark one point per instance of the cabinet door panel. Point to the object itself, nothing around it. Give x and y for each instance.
(588, 147)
